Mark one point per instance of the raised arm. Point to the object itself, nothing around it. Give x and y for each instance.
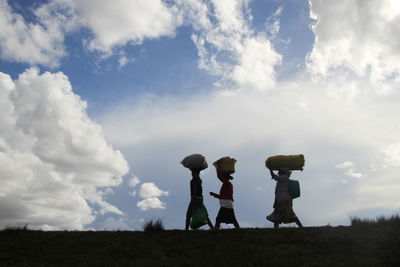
(282, 177)
(273, 175)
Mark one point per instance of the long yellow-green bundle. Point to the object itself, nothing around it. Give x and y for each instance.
(292, 162)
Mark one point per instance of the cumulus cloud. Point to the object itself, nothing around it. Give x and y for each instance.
(357, 36)
(111, 25)
(228, 48)
(55, 159)
(117, 23)
(29, 42)
(151, 203)
(148, 190)
(226, 45)
(150, 194)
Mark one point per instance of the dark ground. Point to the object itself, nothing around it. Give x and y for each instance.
(318, 246)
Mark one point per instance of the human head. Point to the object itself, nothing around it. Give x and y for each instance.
(283, 171)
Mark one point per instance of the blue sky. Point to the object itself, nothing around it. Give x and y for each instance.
(101, 100)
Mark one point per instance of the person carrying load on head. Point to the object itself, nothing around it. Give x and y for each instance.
(196, 199)
(283, 205)
(226, 213)
(196, 214)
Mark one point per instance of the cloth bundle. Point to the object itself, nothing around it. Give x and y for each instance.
(195, 161)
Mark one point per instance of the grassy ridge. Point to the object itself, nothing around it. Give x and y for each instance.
(370, 245)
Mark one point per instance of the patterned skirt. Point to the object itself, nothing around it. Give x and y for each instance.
(283, 212)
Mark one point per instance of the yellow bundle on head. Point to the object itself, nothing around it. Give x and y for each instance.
(291, 162)
(225, 165)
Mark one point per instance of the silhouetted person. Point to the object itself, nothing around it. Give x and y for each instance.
(196, 201)
(283, 210)
(226, 213)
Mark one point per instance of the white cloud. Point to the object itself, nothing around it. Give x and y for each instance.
(108, 191)
(227, 46)
(29, 42)
(123, 60)
(150, 194)
(255, 68)
(151, 203)
(260, 124)
(392, 154)
(195, 12)
(345, 164)
(118, 23)
(134, 181)
(351, 173)
(54, 158)
(150, 190)
(112, 24)
(356, 175)
(273, 23)
(360, 36)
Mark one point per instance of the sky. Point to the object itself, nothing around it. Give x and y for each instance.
(100, 101)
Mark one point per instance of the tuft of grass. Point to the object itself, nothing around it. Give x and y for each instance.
(18, 228)
(394, 220)
(153, 226)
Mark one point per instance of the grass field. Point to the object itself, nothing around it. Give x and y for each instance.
(366, 243)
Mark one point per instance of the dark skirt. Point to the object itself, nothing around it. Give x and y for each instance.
(226, 215)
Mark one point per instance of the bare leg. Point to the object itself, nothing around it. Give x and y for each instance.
(187, 223)
(210, 224)
(298, 223)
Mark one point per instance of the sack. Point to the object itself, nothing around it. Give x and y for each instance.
(199, 218)
(195, 161)
(294, 188)
(225, 165)
(292, 162)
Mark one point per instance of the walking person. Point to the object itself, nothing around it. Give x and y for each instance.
(283, 205)
(196, 199)
(226, 213)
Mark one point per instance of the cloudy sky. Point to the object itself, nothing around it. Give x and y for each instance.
(100, 100)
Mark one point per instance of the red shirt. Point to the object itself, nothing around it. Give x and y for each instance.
(226, 191)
